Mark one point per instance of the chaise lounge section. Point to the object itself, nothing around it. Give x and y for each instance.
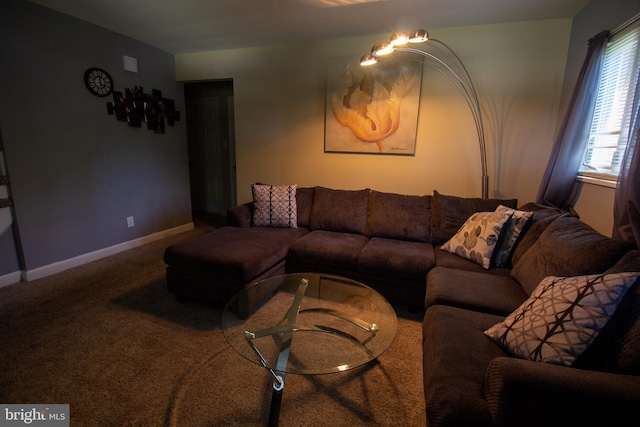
(216, 266)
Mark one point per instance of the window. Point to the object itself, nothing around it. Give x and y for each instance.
(612, 115)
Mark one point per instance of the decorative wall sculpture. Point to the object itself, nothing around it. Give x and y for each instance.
(136, 107)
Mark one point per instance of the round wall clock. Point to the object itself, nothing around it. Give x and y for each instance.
(98, 81)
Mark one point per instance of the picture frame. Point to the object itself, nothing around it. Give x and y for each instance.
(373, 109)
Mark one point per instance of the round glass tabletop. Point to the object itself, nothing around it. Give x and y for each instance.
(309, 323)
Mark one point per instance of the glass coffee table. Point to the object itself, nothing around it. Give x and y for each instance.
(308, 323)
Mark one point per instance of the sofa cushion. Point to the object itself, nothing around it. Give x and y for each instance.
(396, 258)
(623, 355)
(456, 355)
(240, 215)
(477, 239)
(454, 262)
(304, 200)
(448, 213)
(567, 247)
(232, 254)
(339, 210)
(510, 234)
(536, 225)
(274, 206)
(623, 349)
(476, 291)
(398, 216)
(562, 317)
(327, 249)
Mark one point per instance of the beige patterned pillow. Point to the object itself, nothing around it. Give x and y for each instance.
(274, 206)
(510, 233)
(562, 317)
(476, 239)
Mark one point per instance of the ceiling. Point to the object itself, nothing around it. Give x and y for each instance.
(181, 26)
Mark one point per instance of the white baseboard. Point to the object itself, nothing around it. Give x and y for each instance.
(60, 266)
(10, 279)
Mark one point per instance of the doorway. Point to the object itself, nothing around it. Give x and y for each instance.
(211, 145)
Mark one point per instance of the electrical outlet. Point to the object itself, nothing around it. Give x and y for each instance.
(130, 221)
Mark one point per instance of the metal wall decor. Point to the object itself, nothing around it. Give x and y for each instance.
(136, 107)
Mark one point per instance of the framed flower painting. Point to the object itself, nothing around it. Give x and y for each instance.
(374, 109)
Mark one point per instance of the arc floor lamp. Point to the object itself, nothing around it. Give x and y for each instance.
(445, 61)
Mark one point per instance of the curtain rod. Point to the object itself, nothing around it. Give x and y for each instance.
(627, 24)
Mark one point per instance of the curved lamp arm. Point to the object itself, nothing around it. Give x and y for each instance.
(454, 70)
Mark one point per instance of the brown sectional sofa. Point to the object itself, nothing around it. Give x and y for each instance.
(391, 242)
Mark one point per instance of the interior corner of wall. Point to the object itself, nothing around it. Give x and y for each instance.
(11, 278)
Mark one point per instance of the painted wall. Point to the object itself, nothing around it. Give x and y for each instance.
(8, 254)
(77, 173)
(595, 204)
(518, 69)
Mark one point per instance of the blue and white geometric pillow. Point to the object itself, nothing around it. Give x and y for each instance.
(562, 317)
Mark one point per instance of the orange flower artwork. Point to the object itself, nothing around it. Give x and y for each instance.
(372, 109)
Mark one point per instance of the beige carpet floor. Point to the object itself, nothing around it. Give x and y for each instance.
(108, 339)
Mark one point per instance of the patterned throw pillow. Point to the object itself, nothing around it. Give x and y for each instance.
(562, 317)
(510, 233)
(274, 206)
(477, 238)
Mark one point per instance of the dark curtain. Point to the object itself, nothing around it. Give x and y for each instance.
(558, 187)
(626, 208)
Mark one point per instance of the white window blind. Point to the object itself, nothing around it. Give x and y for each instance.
(610, 125)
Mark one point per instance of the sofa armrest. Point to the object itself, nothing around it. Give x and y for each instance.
(240, 216)
(524, 393)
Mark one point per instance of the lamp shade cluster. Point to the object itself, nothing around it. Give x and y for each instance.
(444, 60)
(399, 38)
